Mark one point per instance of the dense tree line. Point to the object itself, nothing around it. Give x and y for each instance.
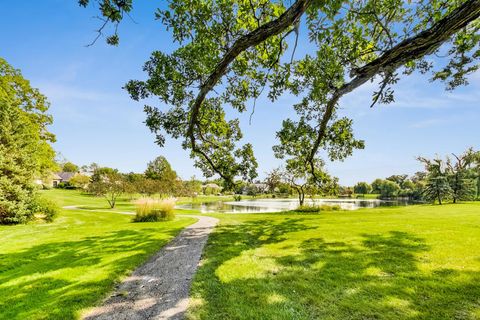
(158, 179)
(454, 178)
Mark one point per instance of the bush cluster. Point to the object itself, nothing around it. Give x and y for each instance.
(44, 209)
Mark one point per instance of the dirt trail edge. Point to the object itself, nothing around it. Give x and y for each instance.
(159, 289)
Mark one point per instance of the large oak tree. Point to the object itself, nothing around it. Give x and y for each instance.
(232, 51)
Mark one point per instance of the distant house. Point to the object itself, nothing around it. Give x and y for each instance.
(56, 179)
(51, 181)
(66, 176)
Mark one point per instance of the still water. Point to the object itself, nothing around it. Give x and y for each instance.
(276, 205)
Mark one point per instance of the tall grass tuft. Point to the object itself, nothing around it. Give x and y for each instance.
(317, 208)
(152, 210)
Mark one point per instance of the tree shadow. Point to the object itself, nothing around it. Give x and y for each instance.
(377, 277)
(55, 280)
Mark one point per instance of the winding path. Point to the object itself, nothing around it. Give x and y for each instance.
(159, 289)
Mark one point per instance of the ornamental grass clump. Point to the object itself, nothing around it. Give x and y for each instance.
(152, 210)
(316, 208)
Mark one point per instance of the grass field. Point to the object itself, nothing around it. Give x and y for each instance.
(417, 262)
(54, 271)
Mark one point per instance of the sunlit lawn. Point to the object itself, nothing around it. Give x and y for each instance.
(418, 262)
(53, 271)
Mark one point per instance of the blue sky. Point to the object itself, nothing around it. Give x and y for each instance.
(96, 121)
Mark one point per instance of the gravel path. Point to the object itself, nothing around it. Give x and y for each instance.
(159, 289)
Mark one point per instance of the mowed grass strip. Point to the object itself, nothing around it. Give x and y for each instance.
(54, 271)
(417, 262)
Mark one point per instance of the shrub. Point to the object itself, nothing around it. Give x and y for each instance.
(44, 209)
(151, 210)
(14, 202)
(237, 197)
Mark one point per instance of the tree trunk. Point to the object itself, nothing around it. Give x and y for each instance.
(478, 187)
(111, 202)
(456, 188)
(301, 195)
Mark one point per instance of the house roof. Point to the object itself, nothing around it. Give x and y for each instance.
(56, 177)
(66, 176)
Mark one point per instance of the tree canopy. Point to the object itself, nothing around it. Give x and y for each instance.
(231, 52)
(70, 167)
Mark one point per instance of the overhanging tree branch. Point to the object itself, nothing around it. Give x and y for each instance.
(257, 36)
(409, 49)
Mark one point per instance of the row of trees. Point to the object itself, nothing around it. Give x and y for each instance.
(159, 178)
(393, 187)
(455, 178)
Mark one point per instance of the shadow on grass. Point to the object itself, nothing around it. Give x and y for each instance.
(376, 278)
(55, 280)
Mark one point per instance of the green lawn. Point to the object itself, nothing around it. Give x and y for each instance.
(54, 271)
(417, 262)
(83, 200)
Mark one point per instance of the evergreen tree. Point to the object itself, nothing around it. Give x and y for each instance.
(25, 150)
(437, 188)
(17, 143)
(461, 175)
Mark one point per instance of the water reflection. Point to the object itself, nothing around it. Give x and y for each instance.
(276, 205)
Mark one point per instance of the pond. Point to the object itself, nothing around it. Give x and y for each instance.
(276, 205)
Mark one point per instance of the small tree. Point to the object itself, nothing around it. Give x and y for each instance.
(376, 185)
(389, 189)
(297, 175)
(399, 179)
(362, 188)
(160, 169)
(146, 186)
(331, 187)
(273, 179)
(252, 190)
(461, 176)
(109, 185)
(191, 188)
(453, 178)
(70, 167)
(437, 188)
(80, 181)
